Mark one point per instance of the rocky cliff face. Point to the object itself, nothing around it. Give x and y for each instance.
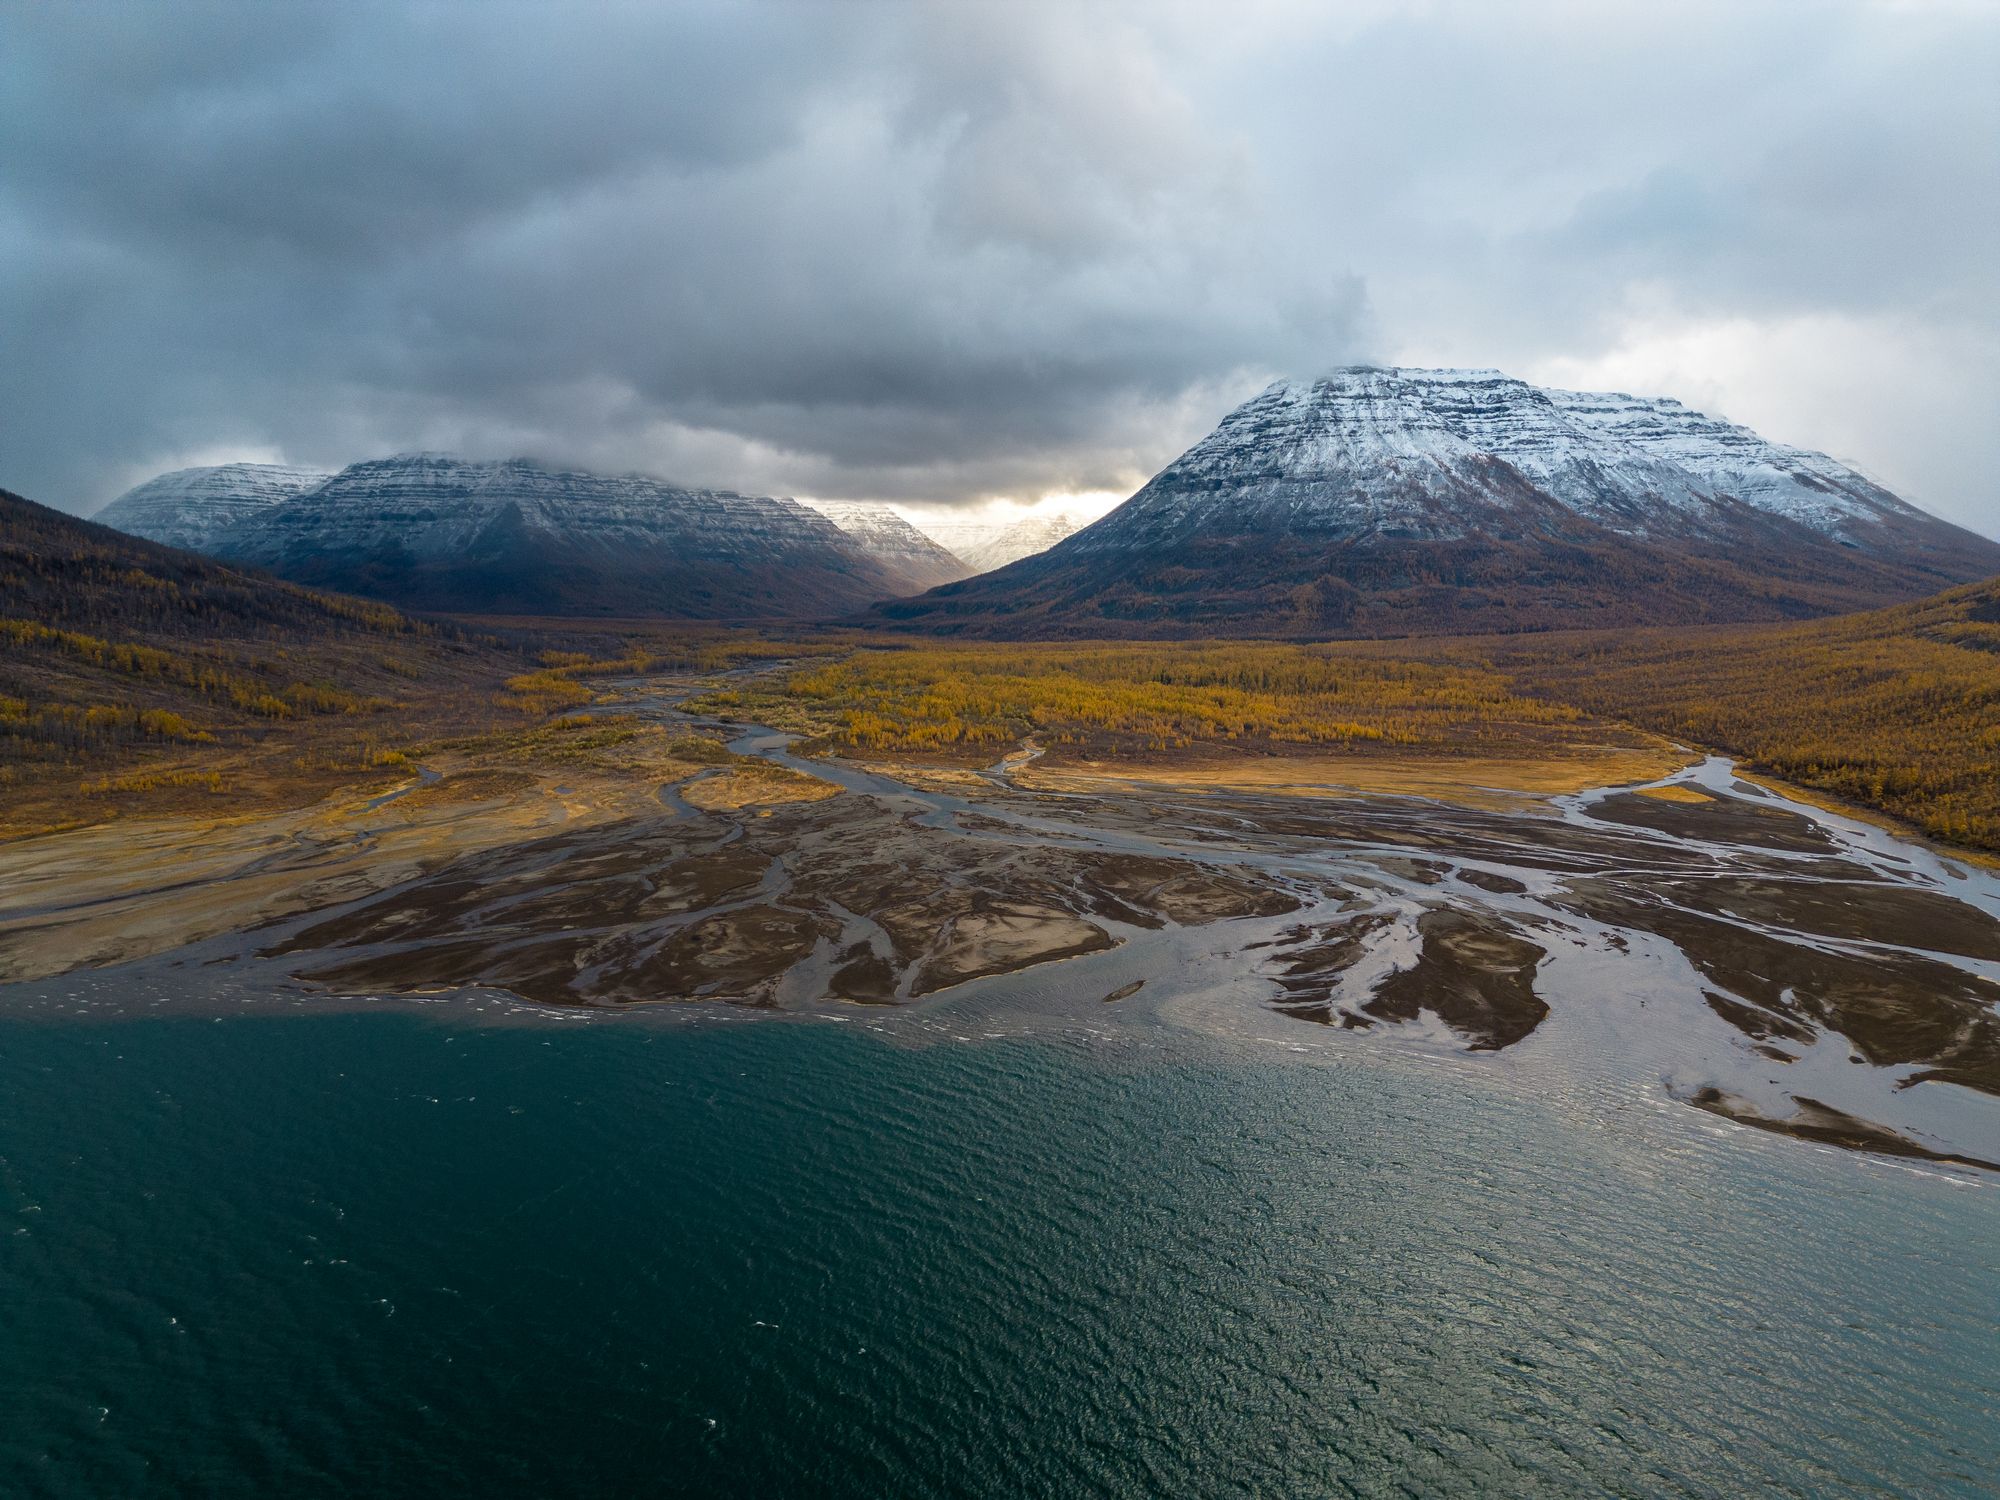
(435, 532)
(894, 543)
(191, 507)
(1378, 501)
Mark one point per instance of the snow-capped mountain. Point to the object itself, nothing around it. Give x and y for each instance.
(894, 542)
(1798, 483)
(1381, 501)
(1412, 451)
(191, 507)
(436, 532)
(986, 545)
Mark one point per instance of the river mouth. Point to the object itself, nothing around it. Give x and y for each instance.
(1763, 960)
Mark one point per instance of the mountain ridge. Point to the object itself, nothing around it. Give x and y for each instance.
(984, 546)
(191, 507)
(1378, 501)
(432, 531)
(895, 542)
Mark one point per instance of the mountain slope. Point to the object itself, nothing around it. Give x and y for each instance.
(191, 507)
(67, 573)
(1895, 708)
(894, 543)
(113, 647)
(1023, 539)
(434, 532)
(1387, 502)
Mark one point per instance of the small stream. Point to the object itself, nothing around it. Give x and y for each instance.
(1627, 1012)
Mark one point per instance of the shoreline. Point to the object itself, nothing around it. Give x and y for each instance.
(1392, 920)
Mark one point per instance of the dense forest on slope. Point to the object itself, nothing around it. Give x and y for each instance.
(1896, 709)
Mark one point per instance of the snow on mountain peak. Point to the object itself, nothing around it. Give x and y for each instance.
(987, 544)
(887, 535)
(434, 531)
(1798, 483)
(191, 507)
(1405, 451)
(435, 504)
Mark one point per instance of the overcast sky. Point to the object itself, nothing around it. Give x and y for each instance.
(942, 253)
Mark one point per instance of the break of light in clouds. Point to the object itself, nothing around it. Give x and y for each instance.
(937, 254)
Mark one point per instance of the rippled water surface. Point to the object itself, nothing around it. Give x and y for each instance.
(392, 1254)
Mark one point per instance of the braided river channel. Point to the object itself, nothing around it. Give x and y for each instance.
(1630, 1146)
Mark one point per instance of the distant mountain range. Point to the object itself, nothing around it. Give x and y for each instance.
(1398, 501)
(428, 531)
(986, 545)
(1368, 502)
(895, 542)
(192, 507)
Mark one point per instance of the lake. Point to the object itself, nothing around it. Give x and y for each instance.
(413, 1250)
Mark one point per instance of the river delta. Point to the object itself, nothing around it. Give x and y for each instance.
(1731, 949)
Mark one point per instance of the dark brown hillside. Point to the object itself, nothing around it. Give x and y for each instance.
(60, 570)
(1308, 588)
(128, 667)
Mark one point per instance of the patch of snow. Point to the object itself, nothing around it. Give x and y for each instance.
(191, 507)
(1442, 453)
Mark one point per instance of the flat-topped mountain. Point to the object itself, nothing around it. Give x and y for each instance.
(191, 507)
(894, 542)
(430, 531)
(1392, 501)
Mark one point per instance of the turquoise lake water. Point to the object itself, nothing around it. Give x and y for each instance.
(403, 1254)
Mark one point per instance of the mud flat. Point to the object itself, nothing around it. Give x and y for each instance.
(1811, 1120)
(114, 892)
(709, 907)
(1761, 960)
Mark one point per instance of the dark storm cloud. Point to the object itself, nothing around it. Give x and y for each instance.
(938, 252)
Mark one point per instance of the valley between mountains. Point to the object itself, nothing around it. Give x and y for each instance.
(1411, 713)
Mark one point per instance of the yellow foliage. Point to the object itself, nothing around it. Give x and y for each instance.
(544, 692)
(1157, 697)
(91, 726)
(148, 781)
(1897, 709)
(151, 663)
